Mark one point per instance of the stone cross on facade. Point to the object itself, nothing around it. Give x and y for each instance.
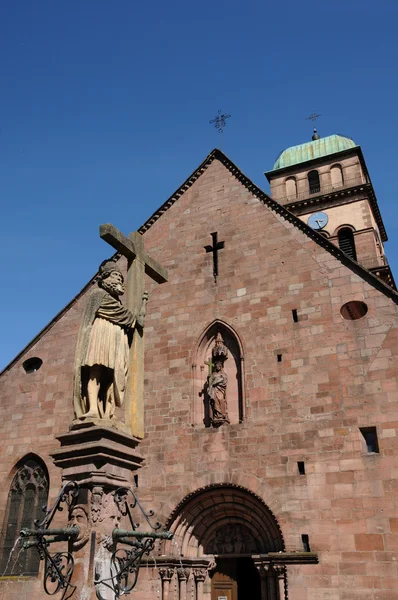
(214, 249)
(138, 264)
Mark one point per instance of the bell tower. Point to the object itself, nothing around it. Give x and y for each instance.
(326, 183)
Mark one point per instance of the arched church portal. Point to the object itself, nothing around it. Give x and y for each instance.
(221, 534)
(218, 358)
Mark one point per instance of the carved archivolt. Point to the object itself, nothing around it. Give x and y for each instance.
(215, 520)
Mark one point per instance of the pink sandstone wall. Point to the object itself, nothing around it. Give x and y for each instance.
(335, 376)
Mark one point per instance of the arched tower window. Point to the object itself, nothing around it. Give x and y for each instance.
(27, 496)
(218, 377)
(347, 242)
(337, 176)
(291, 188)
(313, 182)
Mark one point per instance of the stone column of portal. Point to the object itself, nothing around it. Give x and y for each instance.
(264, 581)
(166, 575)
(269, 577)
(182, 575)
(281, 573)
(200, 577)
(273, 584)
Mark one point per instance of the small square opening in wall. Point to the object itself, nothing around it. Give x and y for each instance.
(301, 467)
(295, 315)
(136, 481)
(305, 538)
(369, 434)
(279, 357)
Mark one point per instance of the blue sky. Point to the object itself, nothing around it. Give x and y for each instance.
(105, 110)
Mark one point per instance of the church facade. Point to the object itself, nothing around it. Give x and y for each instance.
(270, 391)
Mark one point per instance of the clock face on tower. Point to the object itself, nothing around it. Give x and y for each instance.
(318, 220)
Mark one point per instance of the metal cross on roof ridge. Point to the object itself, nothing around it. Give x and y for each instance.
(313, 117)
(220, 123)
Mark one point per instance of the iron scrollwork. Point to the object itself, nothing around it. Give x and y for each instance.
(125, 562)
(58, 566)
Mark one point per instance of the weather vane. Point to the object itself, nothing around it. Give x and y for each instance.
(220, 123)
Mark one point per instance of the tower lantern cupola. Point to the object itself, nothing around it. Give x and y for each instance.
(325, 182)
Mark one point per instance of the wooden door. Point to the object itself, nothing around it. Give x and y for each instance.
(224, 584)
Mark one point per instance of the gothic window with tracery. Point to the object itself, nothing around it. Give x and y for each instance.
(27, 496)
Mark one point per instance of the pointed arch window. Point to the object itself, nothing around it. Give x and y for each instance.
(27, 496)
(314, 182)
(346, 242)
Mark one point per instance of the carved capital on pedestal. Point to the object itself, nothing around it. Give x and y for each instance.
(183, 574)
(166, 573)
(96, 503)
(200, 574)
(105, 515)
(78, 515)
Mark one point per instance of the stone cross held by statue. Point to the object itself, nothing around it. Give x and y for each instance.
(138, 264)
(210, 364)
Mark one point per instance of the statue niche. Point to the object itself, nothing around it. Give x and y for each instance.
(218, 378)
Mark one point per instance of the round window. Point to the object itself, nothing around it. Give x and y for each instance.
(353, 310)
(31, 365)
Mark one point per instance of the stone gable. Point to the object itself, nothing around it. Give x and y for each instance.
(334, 376)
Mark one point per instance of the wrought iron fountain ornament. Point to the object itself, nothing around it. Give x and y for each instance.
(58, 566)
(125, 562)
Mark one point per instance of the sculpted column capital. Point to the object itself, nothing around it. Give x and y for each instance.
(279, 570)
(166, 573)
(265, 569)
(200, 574)
(183, 574)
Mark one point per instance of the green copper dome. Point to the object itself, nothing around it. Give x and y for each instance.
(315, 149)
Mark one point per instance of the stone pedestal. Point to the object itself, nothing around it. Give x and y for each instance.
(101, 460)
(97, 456)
